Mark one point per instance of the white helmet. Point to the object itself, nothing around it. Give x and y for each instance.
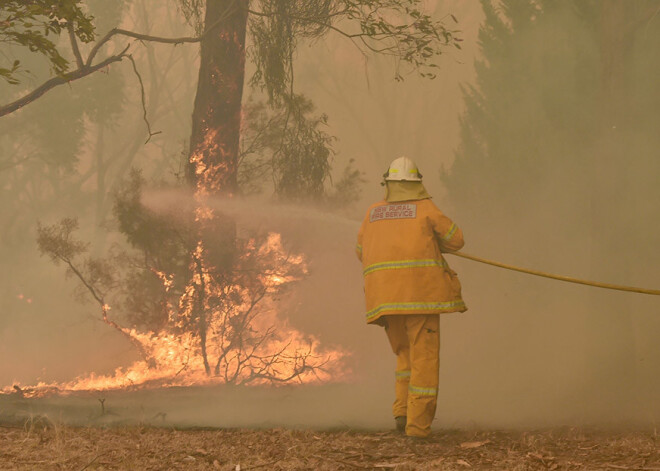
(403, 169)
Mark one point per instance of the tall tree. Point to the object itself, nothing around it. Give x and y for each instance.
(216, 120)
(275, 29)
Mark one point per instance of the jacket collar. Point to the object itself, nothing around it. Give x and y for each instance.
(396, 191)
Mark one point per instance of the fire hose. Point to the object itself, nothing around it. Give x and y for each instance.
(569, 279)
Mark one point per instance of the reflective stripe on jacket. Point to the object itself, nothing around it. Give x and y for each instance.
(400, 245)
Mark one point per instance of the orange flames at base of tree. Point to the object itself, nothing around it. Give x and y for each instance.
(261, 350)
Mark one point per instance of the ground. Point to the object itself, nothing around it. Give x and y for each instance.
(44, 445)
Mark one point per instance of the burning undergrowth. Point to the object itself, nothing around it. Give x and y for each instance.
(196, 295)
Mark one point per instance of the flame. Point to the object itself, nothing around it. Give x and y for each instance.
(281, 353)
(221, 329)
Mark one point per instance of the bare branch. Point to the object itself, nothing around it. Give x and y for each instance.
(86, 68)
(144, 100)
(157, 39)
(56, 81)
(104, 307)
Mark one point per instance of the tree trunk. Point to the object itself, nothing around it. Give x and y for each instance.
(214, 143)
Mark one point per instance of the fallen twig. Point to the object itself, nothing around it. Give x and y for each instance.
(92, 462)
(337, 460)
(261, 465)
(636, 468)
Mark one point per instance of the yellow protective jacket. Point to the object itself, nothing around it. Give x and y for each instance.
(400, 245)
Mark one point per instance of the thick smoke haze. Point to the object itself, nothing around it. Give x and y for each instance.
(529, 352)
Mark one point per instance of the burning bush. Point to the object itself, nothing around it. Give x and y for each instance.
(199, 296)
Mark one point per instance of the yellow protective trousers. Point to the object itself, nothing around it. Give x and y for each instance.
(415, 340)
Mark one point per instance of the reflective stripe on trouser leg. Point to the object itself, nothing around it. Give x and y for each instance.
(396, 334)
(401, 384)
(424, 340)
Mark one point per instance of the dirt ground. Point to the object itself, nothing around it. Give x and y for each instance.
(43, 445)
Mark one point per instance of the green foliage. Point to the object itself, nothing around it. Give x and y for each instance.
(99, 275)
(301, 163)
(9, 74)
(219, 307)
(58, 243)
(126, 280)
(276, 31)
(402, 30)
(287, 145)
(193, 12)
(36, 25)
(43, 146)
(399, 29)
(261, 131)
(164, 240)
(144, 303)
(121, 278)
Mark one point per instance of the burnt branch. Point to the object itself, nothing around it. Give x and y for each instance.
(246, 362)
(57, 242)
(268, 372)
(104, 311)
(240, 331)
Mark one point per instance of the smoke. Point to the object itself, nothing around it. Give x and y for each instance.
(327, 303)
(528, 352)
(552, 174)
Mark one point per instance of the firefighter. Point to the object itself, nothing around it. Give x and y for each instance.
(407, 284)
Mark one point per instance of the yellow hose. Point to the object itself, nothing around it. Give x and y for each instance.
(632, 289)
